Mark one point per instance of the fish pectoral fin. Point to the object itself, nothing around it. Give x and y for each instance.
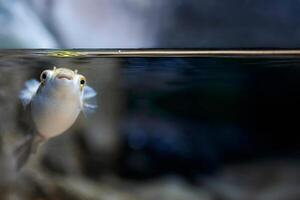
(89, 108)
(89, 92)
(27, 93)
(89, 101)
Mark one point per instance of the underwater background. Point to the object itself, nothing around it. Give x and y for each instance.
(206, 127)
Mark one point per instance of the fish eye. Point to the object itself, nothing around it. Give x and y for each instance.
(44, 76)
(82, 80)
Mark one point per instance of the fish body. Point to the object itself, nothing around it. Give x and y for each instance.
(55, 102)
(55, 110)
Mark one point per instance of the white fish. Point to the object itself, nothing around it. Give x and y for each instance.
(55, 102)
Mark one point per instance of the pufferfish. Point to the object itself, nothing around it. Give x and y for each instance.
(55, 103)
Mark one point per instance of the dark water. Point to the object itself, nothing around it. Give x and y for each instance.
(157, 116)
(195, 114)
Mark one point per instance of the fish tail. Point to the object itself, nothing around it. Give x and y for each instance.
(23, 152)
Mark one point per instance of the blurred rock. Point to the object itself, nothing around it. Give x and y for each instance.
(61, 155)
(7, 171)
(80, 188)
(10, 87)
(170, 189)
(268, 180)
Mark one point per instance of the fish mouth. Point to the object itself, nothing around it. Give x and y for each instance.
(64, 76)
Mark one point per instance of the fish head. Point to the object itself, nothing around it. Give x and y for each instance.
(63, 80)
(57, 100)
